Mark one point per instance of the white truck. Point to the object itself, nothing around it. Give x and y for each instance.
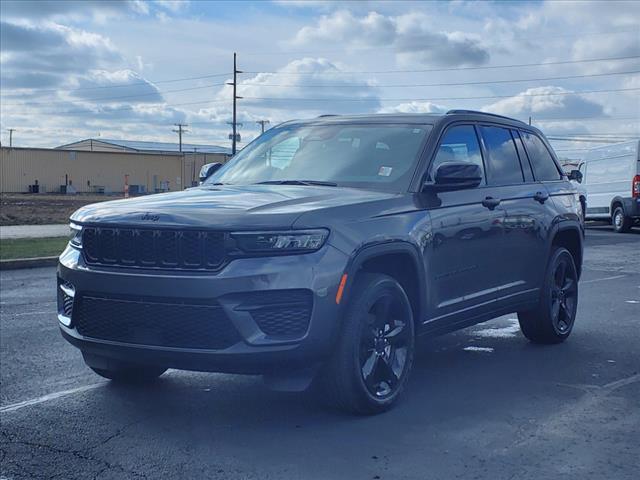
(611, 177)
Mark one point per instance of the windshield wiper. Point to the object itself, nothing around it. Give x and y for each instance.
(298, 182)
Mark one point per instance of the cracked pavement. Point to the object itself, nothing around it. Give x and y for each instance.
(517, 411)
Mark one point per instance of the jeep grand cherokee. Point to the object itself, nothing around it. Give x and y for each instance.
(323, 249)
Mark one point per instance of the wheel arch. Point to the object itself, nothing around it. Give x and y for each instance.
(400, 260)
(616, 202)
(569, 236)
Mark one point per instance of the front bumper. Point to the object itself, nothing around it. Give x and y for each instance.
(254, 351)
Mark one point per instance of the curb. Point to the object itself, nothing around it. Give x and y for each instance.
(17, 263)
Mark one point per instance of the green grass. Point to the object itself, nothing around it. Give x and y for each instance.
(32, 247)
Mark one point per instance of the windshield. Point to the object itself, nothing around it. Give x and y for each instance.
(367, 156)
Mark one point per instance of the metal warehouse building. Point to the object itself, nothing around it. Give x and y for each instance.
(100, 166)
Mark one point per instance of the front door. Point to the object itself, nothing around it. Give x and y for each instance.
(467, 234)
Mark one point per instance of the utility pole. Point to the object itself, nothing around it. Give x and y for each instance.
(180, 131)
(262, 123)
(235, 97)
(11, 130)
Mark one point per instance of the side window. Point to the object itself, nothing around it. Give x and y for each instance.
(544, 168)
(524, 161)
(459, 144)
(503, 165)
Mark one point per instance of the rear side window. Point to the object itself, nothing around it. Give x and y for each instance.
(459, 144)
(544, 168)
(503, 165)
(524, 161)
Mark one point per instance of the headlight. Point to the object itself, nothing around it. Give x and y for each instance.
(280, 242)
(75, 235)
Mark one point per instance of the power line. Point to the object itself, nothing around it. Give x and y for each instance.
(445, 84)
(368, 99)
(488, 82)
(158, 92)
(452, 69)
(118, 109)
(329, 100)
(589, 140)
(213, 75)
(377, 48)
(154, 82)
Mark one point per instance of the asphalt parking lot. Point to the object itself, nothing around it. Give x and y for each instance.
(481, 403)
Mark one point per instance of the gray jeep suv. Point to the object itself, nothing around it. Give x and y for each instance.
(322, 250)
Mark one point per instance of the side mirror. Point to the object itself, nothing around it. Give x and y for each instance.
(450, 176)
(209, 169)
(575, 175)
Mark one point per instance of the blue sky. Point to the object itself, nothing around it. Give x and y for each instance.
(131, 69)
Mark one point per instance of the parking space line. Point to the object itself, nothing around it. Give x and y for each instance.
(603, 279)
(51, 396)
(21, 314)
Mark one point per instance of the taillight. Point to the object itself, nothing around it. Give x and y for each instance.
(635, 187)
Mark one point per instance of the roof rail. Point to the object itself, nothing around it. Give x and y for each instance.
(451, 112)
(327, 115)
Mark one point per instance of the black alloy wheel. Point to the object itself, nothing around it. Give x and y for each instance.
(552, 319)
(373, 354)
(384, 345)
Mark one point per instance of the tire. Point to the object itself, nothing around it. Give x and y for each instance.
(620, 222)
(373, 355)
(130, 373)
(552, 320)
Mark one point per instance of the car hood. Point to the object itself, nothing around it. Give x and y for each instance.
(227, 206)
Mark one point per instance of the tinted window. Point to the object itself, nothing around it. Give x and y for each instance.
(542, 162)
(503, 165)
(367, 156)
(524, 161)
(459, 144)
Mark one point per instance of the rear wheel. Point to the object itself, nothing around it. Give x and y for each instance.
(373, 357)
(620, 222)
(553, 318)
(130, 373)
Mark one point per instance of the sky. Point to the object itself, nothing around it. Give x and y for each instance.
(71, 70)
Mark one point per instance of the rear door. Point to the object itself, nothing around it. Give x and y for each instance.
(523, 251)
(467, 233)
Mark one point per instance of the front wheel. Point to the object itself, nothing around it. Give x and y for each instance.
(551, 321)
(368, 370)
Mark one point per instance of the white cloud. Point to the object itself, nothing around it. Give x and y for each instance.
(414, 107)
(542, 101)
(45, 55)
(414, 37)
(173, 5)
(307, 78)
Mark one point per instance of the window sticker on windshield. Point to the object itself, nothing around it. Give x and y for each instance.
(417, 130)
(385, 171)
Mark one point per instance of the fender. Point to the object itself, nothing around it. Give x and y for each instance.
(628, 206)
(369, 251)
(566, 225)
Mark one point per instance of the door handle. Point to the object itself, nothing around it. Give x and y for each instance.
(541, 197)
(491, 202)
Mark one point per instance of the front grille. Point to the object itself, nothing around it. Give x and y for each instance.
(154, 248)
(164, 323)
(280, 313)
